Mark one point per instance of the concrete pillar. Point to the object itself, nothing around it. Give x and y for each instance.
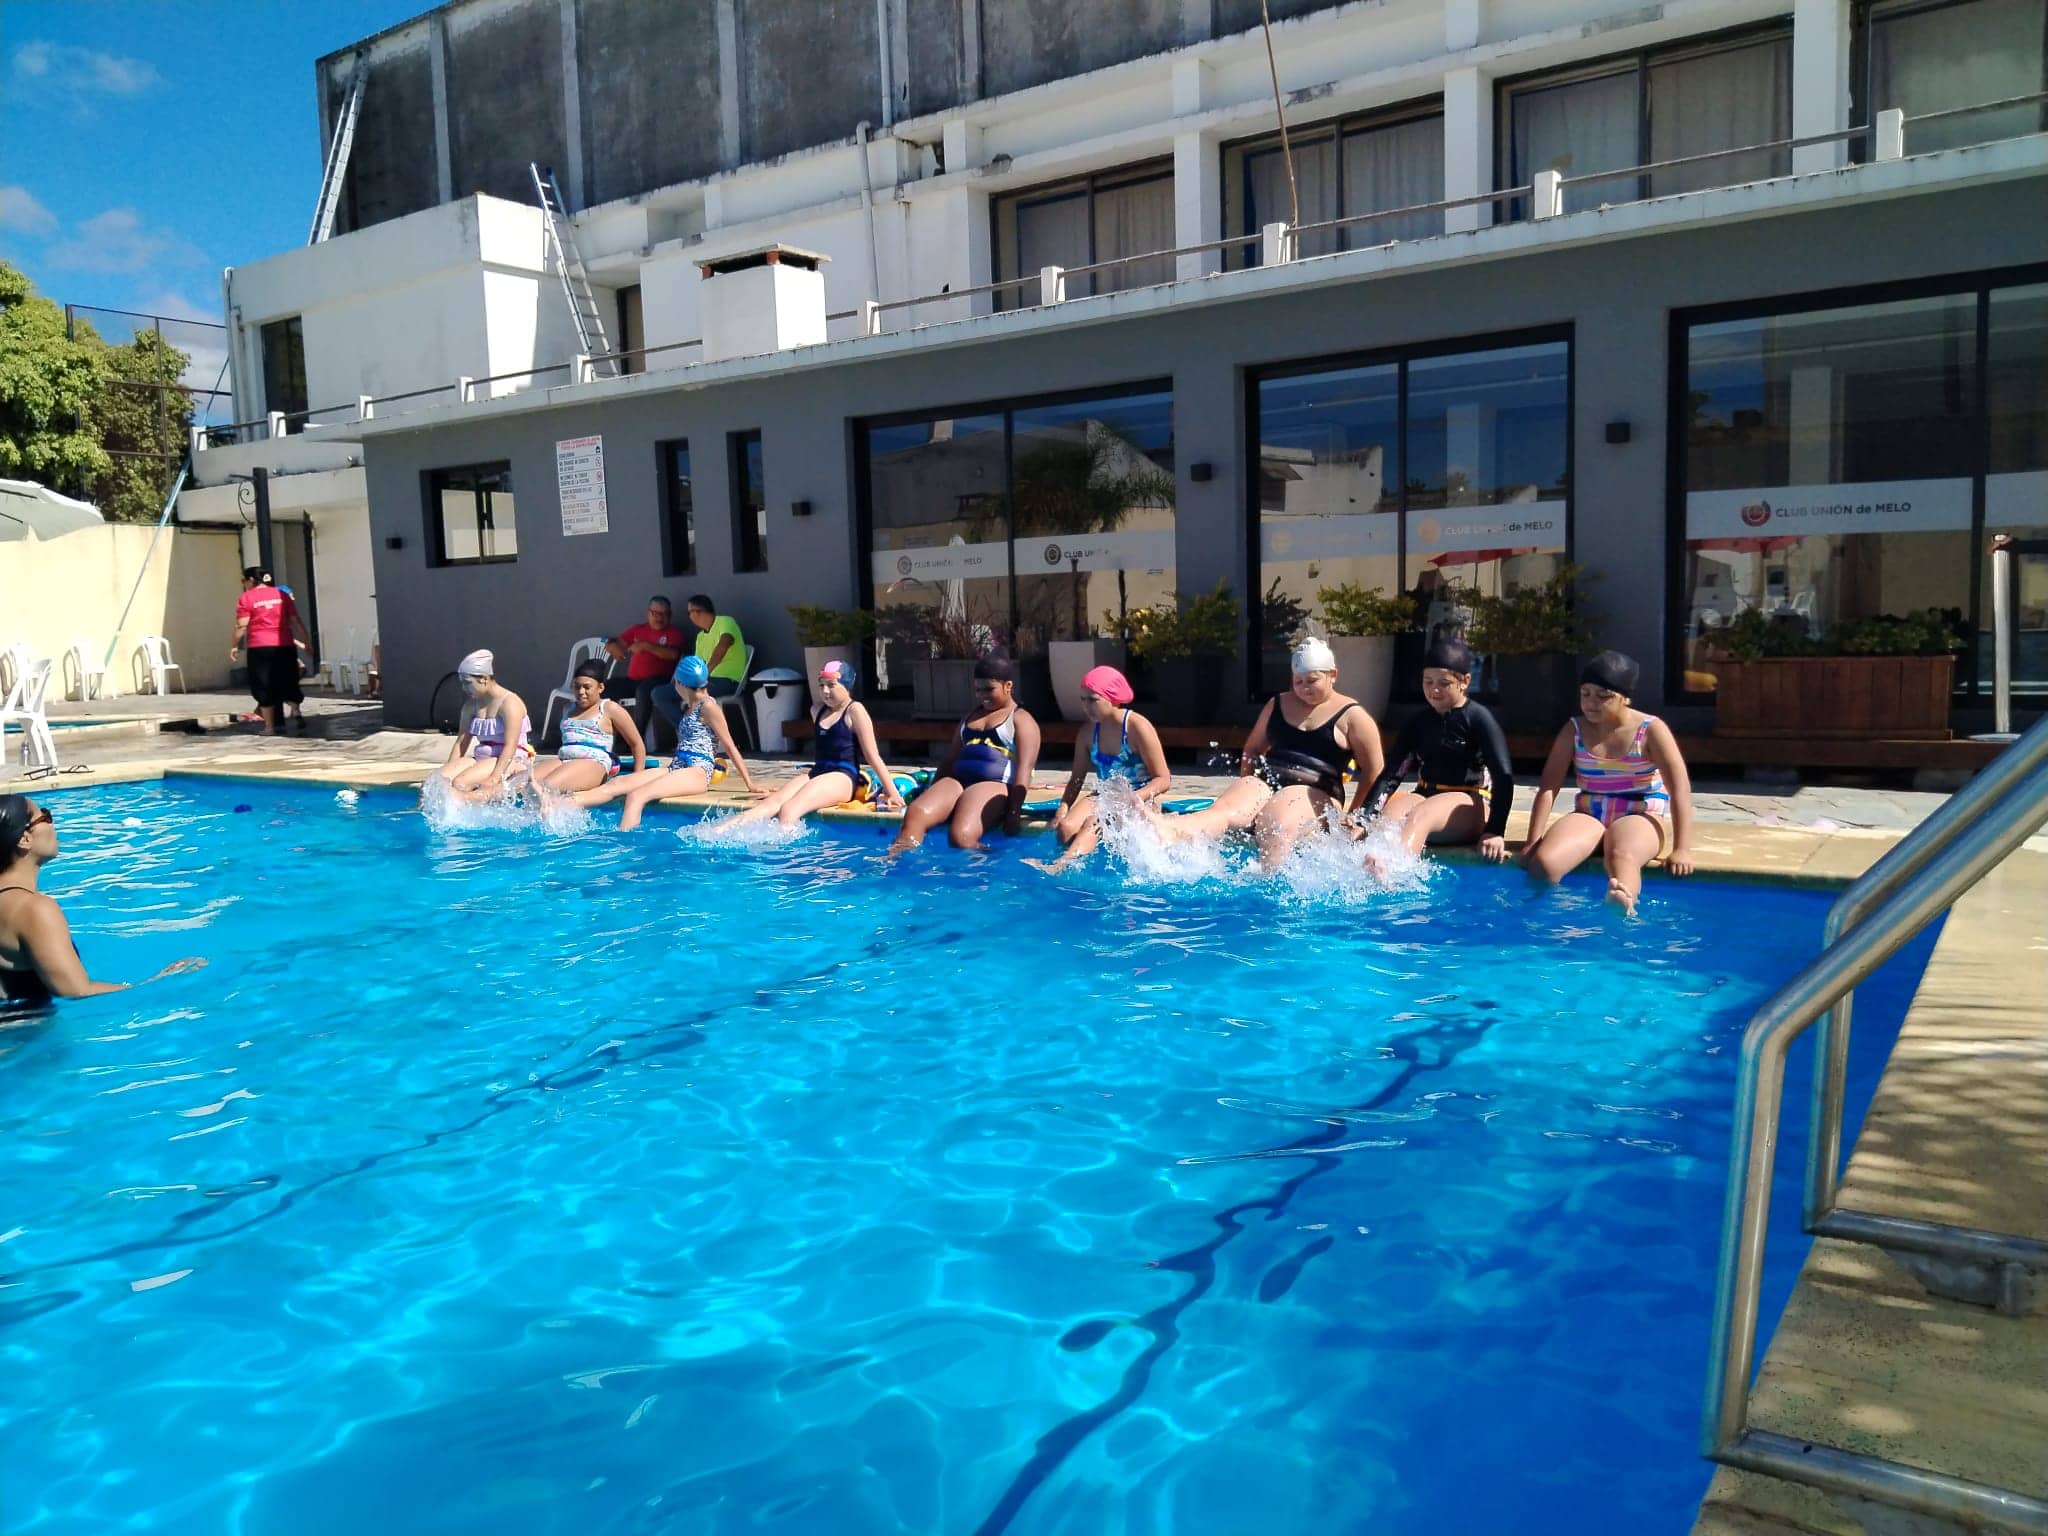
(1468, 146)
(1052, 285)
(1469, 441)
(730, 149)
(962, 143)
(1820, 81)
(437, 67)
(572, 105)
(1190, 86)
(970, 50)
(1197, 21)
(980, 259)
(1811, 425)
(1464, 24)
(1197, 202)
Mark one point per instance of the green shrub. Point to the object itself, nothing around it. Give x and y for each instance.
(1542, 620)
(831, 626)
(1753, 635)
(1355, 610)
(1189, 626)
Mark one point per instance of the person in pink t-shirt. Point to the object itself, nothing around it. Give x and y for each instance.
(267, 621)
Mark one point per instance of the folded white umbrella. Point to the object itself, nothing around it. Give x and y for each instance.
(27, 508)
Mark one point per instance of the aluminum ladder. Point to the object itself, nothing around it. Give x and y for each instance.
(1933, 866)
(583, 310)
(336, 169)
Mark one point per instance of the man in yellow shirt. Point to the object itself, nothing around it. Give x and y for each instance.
(722, 649)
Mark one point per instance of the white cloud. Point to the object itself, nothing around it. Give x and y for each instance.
(205, 345)
(80, 74)
(22, 214)
(118, 241)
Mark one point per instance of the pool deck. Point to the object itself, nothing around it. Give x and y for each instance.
(1863, 1358)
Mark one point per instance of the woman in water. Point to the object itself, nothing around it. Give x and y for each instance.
(38, 961)
(701, 734)
(1464, 781)
(1292, 770)
(987, 774)
(589, 735)
(492, 715)
(1127, 752)
(1635, 797)
(844, 740)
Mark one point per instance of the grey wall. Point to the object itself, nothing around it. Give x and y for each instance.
(649, 95)
(1617, 296)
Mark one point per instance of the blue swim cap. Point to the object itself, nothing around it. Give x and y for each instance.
(692, 673)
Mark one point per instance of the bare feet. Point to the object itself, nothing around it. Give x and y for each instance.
(1619, 895)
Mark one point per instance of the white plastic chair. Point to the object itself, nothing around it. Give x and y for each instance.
(14, 664)
(155, 655)
(739, 703)
(588, 649)
(346, 668)
(88, 679)
(25, 701)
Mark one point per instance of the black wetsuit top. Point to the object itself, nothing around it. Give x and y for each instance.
(1315, 757)
(22, 989)
(1462, 748)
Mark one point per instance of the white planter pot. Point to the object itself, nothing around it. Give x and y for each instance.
(1365, 669)
(1071, 661)
(815, 656)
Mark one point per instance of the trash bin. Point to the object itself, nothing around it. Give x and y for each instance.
(779, 698)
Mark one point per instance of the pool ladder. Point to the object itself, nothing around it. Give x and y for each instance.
(1912, 885)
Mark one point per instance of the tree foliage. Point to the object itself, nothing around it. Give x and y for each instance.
(48, 389)
(142, 419)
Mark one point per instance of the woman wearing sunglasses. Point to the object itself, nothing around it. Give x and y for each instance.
(38, 961)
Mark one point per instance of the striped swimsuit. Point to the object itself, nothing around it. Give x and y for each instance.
(1613, 787)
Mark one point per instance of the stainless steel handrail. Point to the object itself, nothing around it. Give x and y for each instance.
(1951, 853)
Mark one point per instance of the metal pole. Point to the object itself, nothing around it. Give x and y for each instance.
(1280, 111)
(2001, 633)
(259, 478)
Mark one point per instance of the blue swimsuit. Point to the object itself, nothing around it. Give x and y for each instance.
(1125, 764)
(988, 753)
(696, 747)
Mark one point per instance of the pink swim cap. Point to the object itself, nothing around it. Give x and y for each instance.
(1110, 683)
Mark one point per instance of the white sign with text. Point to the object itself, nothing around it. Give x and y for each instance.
(579, 480)
(1537, 526)
(2016, 500)
(1143, 549)
(1795, 511)
(1341, 536)
(939, 562)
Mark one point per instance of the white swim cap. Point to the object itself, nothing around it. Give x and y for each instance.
(1313, 655)
(478, 664)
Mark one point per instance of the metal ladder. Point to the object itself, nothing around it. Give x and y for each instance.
(336, 169)
(583, 310)
(1925, 874)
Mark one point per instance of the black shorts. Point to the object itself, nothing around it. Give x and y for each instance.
(274, 675)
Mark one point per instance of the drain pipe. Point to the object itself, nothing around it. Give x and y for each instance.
(888, 73)
(862, 135)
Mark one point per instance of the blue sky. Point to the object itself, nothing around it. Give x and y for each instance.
(146, 144)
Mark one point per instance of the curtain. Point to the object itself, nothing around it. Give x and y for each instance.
(1051, 232)
(1957, 56)
(1578, 128)
(1396, 166)
(1315, 178)
(1129, 221)
(1721, 100)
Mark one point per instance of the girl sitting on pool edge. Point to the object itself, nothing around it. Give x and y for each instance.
(494, 733)
(588, 755)
(1464, 779)
(843, 741)
(1137, 760)
(1635, 796)
(701, 733)
(987, 773)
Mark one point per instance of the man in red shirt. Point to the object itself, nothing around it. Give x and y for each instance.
(267, 621)
(650, 652)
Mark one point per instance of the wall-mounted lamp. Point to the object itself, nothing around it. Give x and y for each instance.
(394, 541)
(1202, 471)
(1618, 431)
(799, 509)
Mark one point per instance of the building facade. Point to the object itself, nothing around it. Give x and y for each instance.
(1741, 308)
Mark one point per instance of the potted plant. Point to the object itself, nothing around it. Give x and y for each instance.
(1184, 646)
(1282, 620)
(1362, 624)
(1531, 639)
(829, 634)
(1890, 676)
(942, 681)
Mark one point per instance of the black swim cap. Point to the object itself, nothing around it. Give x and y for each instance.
(14, 814)
(1613, 671)
(1449, 653)
(995, 669)
(594, 670)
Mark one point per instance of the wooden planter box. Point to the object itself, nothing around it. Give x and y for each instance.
(1878, 697)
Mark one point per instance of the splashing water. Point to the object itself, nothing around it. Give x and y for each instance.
(1352, 872)
(726, 830)
(517, 807)
(1129, 836)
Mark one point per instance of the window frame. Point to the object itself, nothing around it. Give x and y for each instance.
(1400, 357)
(1245, 249)
(431, 480)
(678, 556)
(1087, 185)
(1639, 62)
(1863, 108)
(295, 345)
(749, 532)
(1970, 685)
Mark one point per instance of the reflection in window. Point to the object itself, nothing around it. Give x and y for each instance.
(1354, 166)
(2016, 490)
(632, 331)
(678, 510)
(749, 502)
(1637, 109)
(1931, 58)
(1078, 223)
(1828, 462)
(284, 371)
(470, 514)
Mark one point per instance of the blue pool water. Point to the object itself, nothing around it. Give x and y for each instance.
(487, 1182)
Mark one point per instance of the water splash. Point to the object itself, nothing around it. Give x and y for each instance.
(1129, 837)
(726, 830)
(514, 808)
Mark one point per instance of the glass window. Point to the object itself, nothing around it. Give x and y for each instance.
(470, 514)
(284, 371)
(1079, 223)
(1342, 169)
(678, 510)
(1930, 58)
(632, 333)
(2016, 489)
(1694, 99)
(1828, 463)
(749, 503)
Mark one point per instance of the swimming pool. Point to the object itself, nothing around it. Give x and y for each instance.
(485, 1182)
